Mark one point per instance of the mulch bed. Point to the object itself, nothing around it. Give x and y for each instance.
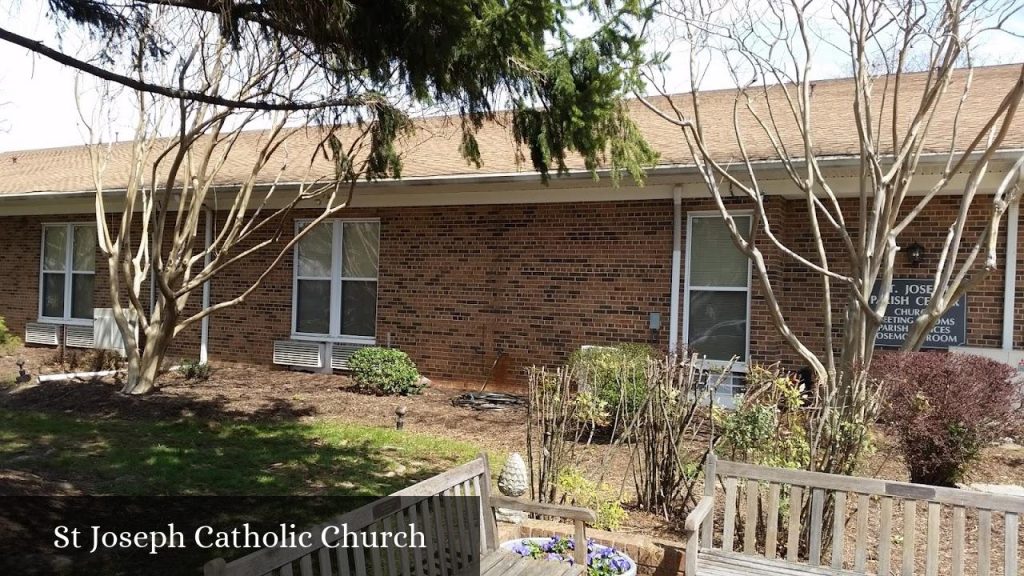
(245, 392)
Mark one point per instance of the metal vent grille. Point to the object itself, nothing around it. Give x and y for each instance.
(42, 334)
(78, 336)
(298, 353)
(340, 353)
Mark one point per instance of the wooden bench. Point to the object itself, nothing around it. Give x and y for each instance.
(877, 526)
(446, 525)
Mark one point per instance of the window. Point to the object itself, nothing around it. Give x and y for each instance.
(68, 272)
(716, 323)
(335, 292)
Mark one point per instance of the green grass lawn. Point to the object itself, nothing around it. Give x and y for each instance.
(143, 457)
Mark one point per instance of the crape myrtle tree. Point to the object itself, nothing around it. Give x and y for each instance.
(350, 72)
(855, 232)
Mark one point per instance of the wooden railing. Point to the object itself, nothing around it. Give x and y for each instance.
(875, 526)
(456, 536)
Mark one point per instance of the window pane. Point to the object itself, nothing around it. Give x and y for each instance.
(54, 247)
(315, 252)
(313, 307)
(81, 295)
(53, 295)
(718, 324)
(714, 259)
(360, 241)
(358, 308)
(85, 249)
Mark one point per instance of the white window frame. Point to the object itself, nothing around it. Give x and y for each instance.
(68, 272)
(739, 365)
(336, 279)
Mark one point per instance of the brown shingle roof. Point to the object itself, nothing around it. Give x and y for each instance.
(433, 149)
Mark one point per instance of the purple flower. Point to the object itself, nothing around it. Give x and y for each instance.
(601, 560)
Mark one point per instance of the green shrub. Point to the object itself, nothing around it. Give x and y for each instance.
(945, 408)
(600, 498)
(385, 371)
(769, 426)
(194, 370)
(8, 342)
(615, 378)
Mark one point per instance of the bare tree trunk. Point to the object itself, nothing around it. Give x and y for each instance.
(141, 378)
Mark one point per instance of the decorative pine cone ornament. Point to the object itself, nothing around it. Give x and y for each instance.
(514, 478)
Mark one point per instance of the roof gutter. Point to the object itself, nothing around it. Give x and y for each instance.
(847, 161)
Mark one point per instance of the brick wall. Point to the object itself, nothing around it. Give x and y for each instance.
(21, 238)
(461, 285)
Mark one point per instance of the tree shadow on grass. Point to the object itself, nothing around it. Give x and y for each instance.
(213, 457)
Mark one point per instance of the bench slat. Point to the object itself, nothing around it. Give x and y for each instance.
(375, 558)
(440, 551)
(402, 522)
(838, 532)
(885, 537)
(417, 553)
(341, 557)
(771, 520)
(733, 563)
(796, 505)
(932, 551)
(451, 538)
(458, 526)
(984, 541)
(390, 553)
(750, 527)
(959, 535)
(817, 510)
(729, 525)
(909, 536)
(1011, 528)
(360, 561)
(860, 554)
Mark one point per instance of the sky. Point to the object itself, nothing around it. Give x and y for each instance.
(37, 95)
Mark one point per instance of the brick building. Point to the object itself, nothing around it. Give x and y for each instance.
(477, 273)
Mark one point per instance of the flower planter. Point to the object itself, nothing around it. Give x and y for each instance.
(602, 560)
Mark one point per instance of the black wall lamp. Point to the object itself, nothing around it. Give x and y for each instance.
(915, 252)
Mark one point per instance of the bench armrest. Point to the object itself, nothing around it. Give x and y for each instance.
(693, 522)
(700, 513)
(579, 516)
(556, 510)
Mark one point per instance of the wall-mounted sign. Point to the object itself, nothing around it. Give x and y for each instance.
(908, 298)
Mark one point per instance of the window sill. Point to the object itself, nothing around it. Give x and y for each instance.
(740, 367)
(66, 321)
(365, 340)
